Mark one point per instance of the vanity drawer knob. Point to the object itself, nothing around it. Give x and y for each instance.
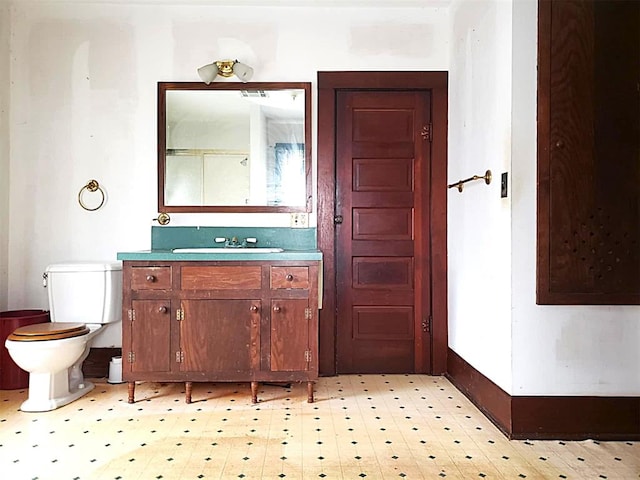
(151, 278)
(163, 309)
(276, 309)
(254, 308)
(289, 277)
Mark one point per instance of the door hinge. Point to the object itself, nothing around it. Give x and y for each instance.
(427, 132)
(179, 356)
(131, 314)
(426, 324)
(307, 356)
(308, 315)
(131, 357)
(179, 315)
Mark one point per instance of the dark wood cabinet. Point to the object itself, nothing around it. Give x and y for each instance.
(588, 210)
(217, 321)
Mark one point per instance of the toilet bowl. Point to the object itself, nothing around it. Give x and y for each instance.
(54, 362)
(53, 352)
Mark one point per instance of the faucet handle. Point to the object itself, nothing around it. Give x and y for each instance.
(219, 239)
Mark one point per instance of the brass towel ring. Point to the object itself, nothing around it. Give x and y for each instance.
(91, 186)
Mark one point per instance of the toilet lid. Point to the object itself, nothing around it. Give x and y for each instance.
(48, 331)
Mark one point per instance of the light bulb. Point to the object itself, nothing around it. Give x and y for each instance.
(242, 71)
(208, 73)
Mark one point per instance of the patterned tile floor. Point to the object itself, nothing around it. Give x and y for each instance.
(361, 427)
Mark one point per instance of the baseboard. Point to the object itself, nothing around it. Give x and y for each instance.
(547, 417)
(96, 365)
(576, 418)
(490, 399)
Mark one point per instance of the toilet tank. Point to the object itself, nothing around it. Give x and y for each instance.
(85, 292)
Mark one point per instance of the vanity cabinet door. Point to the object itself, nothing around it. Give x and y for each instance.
(290, 319)
(220, 336)
(149, 326)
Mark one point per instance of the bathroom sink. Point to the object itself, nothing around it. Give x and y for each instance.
(240, 251)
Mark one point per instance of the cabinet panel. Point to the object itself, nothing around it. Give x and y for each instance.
(221, 277)
(289, 335)
(151, 278)
(588, 225)
(220, 336)
(289, 277)
(150, 335)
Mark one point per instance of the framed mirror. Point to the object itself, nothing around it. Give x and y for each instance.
(234, 147)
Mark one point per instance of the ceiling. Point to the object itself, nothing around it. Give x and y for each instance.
(262, 3)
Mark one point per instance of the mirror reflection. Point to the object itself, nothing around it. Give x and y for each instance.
(233, 147)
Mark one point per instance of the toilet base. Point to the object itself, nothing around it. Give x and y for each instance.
(42, 404)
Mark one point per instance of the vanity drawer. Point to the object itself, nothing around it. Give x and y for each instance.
(221, 278)
(151, 278)
(289, 277)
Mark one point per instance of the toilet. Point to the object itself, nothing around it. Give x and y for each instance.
(83, 299)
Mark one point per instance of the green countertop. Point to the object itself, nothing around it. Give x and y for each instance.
(168, 255)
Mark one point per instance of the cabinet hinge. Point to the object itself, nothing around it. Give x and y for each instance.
(179, 314)
(132, 314)
(307, 314)
(131, 357)
(307, 356)
(179, 356)
(427, 132)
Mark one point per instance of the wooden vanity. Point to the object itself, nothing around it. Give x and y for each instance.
(220, 321)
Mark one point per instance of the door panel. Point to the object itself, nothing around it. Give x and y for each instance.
(382, 224)
(387, 273)
(382, 176)
(380, 323)
(384, 125)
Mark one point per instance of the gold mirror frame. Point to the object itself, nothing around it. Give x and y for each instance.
(164, 87)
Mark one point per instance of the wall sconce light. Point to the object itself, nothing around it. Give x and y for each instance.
(225, 68)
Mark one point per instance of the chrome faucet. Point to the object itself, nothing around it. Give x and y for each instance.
(234, 243)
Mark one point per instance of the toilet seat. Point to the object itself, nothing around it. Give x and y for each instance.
(48, 331)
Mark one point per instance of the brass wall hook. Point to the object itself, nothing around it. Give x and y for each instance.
(460, 184)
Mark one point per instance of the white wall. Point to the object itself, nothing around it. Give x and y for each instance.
(4, 153)
(479, 236)
(83, 106)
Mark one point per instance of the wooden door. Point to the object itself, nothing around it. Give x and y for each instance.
(150, 336)
(382, 231)
(220, 336)
(289, 346)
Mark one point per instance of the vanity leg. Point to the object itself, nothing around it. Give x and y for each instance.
(254, 392)
(131, 391)
(188, 387)
(310, 392)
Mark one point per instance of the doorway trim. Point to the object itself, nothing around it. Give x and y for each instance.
(329, 83)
